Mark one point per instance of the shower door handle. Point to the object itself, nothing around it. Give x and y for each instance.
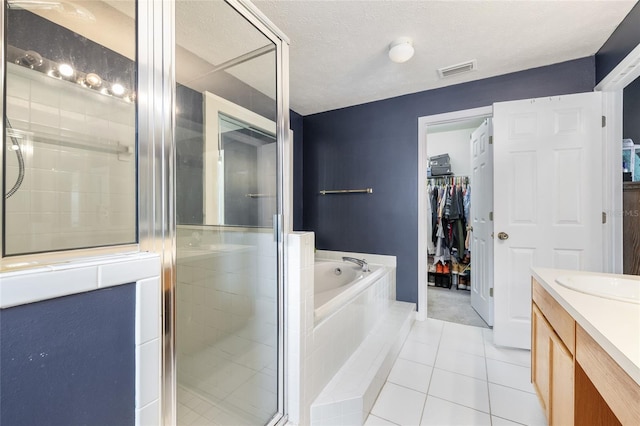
(277, 227)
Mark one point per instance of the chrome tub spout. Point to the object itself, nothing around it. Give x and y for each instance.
(360, 262)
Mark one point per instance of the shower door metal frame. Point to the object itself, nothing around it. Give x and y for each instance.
(156, 173)
(156, 32)
(30, 261)
(2, 103)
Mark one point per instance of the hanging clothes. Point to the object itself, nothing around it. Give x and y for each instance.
(431, 223)
(448, 210)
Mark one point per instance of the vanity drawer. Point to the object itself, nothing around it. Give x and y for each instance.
(563, 324)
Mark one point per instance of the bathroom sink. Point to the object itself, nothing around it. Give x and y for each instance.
(609, 287)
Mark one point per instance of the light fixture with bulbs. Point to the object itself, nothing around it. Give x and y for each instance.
(401, 50)
(64, 71)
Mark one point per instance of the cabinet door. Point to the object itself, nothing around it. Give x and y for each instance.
(541, 356)
(561, 381)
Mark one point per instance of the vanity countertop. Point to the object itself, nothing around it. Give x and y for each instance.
(614, 325)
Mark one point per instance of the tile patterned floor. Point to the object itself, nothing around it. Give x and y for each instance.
(452, 374)
(231, 383)
(447, 374)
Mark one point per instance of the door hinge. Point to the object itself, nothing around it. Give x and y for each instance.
(491, 216)
(604, 217)
(490, 140)
(604, 121)
(491, 292)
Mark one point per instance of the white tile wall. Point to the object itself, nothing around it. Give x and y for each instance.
(299, 324)
(148, 346)
(316, 352)
(335, 339)
(224, 279)
(227, 323)
(70, 197)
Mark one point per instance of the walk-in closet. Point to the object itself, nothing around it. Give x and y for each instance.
(450, 253)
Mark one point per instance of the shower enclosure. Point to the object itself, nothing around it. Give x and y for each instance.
(229, 257)
(70, 169)
(159, 126)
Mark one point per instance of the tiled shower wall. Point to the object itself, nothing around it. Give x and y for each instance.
(71, 196)
(316, 352)
(226, 284)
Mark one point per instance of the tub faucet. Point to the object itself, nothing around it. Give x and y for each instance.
(360, 262)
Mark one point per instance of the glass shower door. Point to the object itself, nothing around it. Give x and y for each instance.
(227, 290)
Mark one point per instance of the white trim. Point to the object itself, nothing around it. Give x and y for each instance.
(612, 87)
(612, 181)
(423, 122)
(214, 105)
(79, 276)
(623, 74)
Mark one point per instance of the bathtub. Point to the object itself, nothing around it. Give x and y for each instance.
(337, 283)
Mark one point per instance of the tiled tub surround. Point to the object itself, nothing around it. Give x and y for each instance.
(319, 350)
(226, 325)
(48, 283)
(78, 191)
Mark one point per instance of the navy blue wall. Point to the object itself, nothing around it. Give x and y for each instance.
(376, 145)
(631, 112)
(623, 40)
(69, 361)
(29, 31)
(189, 156)
(295, 122)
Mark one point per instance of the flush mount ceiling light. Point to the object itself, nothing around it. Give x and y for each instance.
(401, 50)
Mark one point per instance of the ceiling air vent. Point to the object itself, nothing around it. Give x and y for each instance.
(457, 69)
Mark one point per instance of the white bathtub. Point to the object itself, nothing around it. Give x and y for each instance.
(336, 283)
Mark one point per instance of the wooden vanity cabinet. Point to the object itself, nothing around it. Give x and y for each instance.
(552, 366)
(577, 381)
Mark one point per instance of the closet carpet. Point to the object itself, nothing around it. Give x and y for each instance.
(452, 305)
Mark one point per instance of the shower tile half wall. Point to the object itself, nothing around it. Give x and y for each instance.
(70, 197)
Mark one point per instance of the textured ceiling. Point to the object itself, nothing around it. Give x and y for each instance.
(338, 53)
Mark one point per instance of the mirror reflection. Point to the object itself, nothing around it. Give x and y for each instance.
(227, 257)
(70, 115)
(245, 154)
(238, 74)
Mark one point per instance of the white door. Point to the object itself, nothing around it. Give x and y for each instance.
(481, 208)
(547, 199)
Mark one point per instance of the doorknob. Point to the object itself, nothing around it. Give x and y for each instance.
(503, 236)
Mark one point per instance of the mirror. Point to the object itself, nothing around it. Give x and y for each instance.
(226, 169)
(240, 148)
(227, 327)
(631, 179)
(70, 118)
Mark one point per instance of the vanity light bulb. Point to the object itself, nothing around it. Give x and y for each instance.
(54, 73)
(66, 70)
(117, 89)
(93, 80)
